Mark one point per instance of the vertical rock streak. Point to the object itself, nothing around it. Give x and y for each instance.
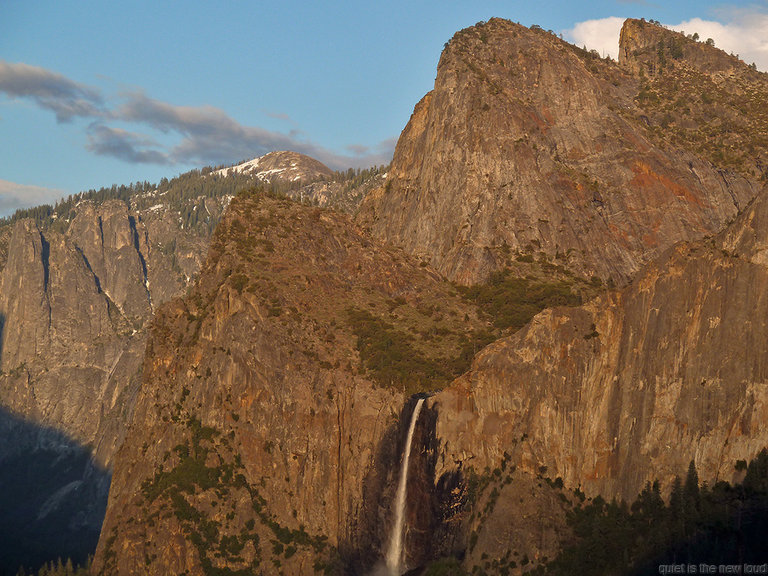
(395, 550)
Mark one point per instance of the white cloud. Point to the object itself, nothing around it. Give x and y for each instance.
(601, 35)
(14, 196)
(743, 31)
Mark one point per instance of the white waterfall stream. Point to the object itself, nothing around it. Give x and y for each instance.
(394, 557)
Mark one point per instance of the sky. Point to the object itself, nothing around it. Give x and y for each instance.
(96, 93)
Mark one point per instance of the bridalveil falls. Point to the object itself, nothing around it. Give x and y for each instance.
(394, 557)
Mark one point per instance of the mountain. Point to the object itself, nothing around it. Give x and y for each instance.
(284, 166)
(79, 284)
(624, 391)
(532, 147)
(305, 179)
(635, 384)
(76, 297)
(265, 430)
(254, 403)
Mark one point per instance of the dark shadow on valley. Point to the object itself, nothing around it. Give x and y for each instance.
(53, 497)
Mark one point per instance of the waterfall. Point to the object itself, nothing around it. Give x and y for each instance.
(395, 551)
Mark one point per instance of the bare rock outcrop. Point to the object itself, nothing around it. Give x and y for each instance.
(260, 440)
(529, 144)
(632, 386)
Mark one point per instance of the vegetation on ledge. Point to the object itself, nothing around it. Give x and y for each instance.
(719, 524)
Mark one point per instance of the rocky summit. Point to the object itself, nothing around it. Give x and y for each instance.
(554, 296)
(79, 284)
(263, 428)
(531, 145)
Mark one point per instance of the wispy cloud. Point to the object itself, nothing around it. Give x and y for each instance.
(14, 196)
(203, 134)
(208, 133)
(49, 90)
(124, 145)
(742, 30)
(280, 116)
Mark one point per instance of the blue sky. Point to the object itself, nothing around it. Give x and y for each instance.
(96, 93)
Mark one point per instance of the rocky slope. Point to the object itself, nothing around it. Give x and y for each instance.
(74, 309)
(530, 145)
(634, 385)
(79, 284)
(698, 97)
(265, 435)
(75, 306)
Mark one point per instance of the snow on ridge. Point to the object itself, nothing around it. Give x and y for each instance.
(248, 166)
(293, 172)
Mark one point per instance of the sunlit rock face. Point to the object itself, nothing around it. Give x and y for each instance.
(255, 415)
(528, 144)
(634, 385)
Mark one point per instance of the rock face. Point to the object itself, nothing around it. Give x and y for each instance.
(77, 292)
(632, 386)
(698, 97)
(259, 441)
(530, 144)
(74, 306)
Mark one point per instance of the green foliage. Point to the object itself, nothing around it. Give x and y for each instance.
(60, 568)
(389, 356)
(722, 524)
(444, 567)
(510, 302)
(238, 281)
(182, 488)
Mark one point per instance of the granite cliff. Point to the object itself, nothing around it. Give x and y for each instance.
(265, 435)
(75, 306)
(79, 283)
(255, 424)
(625, 390)
(530, 145)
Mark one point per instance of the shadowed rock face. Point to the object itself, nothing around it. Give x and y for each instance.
(635, 384)
(74, 309)
(53, 496)
(530, 144)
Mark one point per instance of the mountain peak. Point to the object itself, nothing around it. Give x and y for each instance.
(281, 166)
(529, 147)
(650, 48)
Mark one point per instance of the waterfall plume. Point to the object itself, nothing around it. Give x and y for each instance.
(394, 556)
